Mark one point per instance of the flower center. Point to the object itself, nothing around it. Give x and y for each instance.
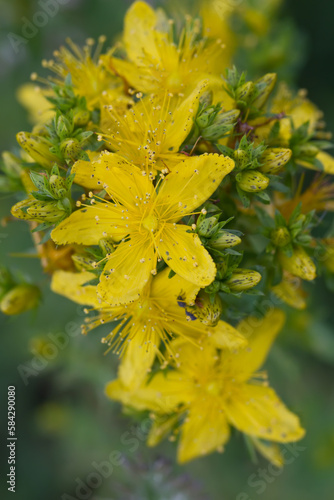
(151, 223)
(213, 388)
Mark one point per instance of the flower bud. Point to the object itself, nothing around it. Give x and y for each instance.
(81, 117)
(222, 124)
(38, 148)
(70, 149)
(290, 292)
(243, 279)
(64, 128)
(264, 86)
(224, 239)
(274, 159)
(83, 262)
(57, 186)
(19, 299)
(12, 164)
(299, 264)
(280, 236)
(107, 246)
(252, 181)
(203, 119)
(206, 311)
(245, 92)
(45, 211)
(207, 227)
(309, 150)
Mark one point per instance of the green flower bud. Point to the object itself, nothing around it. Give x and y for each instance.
(245, 92)
(81, 117)
(83, 262)
(45, 211)
(12, 164)
(64, 127)
(206, 228)
(243, 279)
(203, 119)
(264, 86)
(107, 246)
(57, 186)
(224, 239)
(222, 124)
(38, 148)
(274, 159)
(221, 269)
(299, 264)
(19, 299)
(280, 236)
(70, 149)
(252, 181)
(206, 311)
(309, 150)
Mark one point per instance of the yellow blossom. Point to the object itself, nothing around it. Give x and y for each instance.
(145, 220)
(156, 62)
(146, 323)
(151, 133)
(89, 77)
(215, 391)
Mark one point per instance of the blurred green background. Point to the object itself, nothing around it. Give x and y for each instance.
(64, 421)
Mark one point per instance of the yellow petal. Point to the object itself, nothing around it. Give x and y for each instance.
(193, 181)
(271, 451)
(164, 288)
(122, 180)
(127, 271)
(83, 172)
(260, 334)
(257, 410)
(34, 100)
(205, 430)
(70, 285)
(183, 119)
(142, 398)
(184, 253)
(139, 40)
(88, 225)
(138, 359)
(225, 336)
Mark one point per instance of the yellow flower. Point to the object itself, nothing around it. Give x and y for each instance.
(89, 77)
(156, 62)
(151, 133)
(146, 323)
(216, 391)
(145, 221)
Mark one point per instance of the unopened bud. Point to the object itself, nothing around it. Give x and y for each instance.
(299, 264)
(57, 186)
(81, 117)
(205, 310)
(70, 149)
(243, 279)
(224, 239)
(83, 263)
(222, 124)
(206, 228)
(64, 128)
(19, 299)
(264, 87)
(274, 159)
(280, 236)
(245, 92)
(107, 246)
(45, 211)
(38, 148)
(252, 181)
(309, 150)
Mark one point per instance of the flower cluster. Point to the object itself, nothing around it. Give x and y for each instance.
(176, 200)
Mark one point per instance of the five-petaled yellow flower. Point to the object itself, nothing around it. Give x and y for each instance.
(146, 323)
(143, 218)
(214, 391)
